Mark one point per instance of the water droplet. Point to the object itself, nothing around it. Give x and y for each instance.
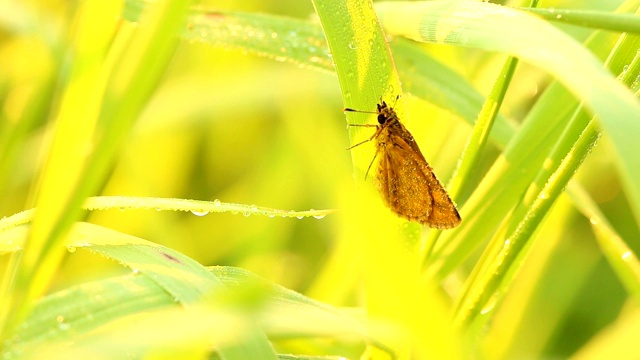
(246, 213)
(559, 16)
(136, 271)
(544, 195)
(486, 310)
(300, 217)
(594, 220)
(61, 324)
(71, 249)
(272, 215)
(352, 45)
(199, 213)
(217, 202)
(627, 256)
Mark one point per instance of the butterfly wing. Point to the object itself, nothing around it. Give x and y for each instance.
(409, 186)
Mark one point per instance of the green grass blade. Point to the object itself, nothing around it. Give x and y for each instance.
(590, 18)
(109, 85)
(74, 124)
(304, 44)
(517, 239)
(523, 213)
(532, 40)
(367, 74)
(86, 308)
(618, 253)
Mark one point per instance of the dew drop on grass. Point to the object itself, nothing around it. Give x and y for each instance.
(627, 256)
(61, 324)
(71, 249)
(199, 213)
(486, 310)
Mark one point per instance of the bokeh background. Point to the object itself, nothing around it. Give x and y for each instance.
(228, 125)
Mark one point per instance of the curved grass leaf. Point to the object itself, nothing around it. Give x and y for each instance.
(590, 18)
(110, 80)
(80, 311)
(497, 28)
(303, 43)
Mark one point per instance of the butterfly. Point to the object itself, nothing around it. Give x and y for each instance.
(405, 180)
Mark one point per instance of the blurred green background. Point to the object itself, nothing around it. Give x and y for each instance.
(227, 125)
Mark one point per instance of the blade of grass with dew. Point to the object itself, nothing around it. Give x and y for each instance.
(616, 60)
(433, 81)
(182, 279)
(531, 313)
(366, 72)
(492, 254)
(367, 75)
(303, 43)
(475, 144)
(107, 92)
(32, 270)
(167, 333)
(511, 173)
(493, 278)
(621, 257)
(496, 28)
(78, 310)
(590, 18)
(557, 155)
(197, 207)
